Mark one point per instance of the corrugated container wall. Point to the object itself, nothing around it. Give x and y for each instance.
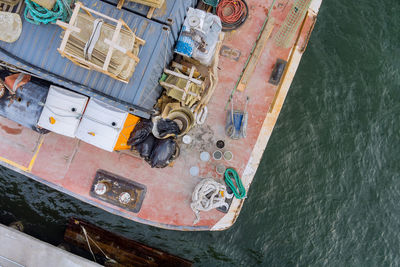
(173, 12)
(36, 52)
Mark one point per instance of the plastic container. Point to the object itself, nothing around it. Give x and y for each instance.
(205, 156)
(217, 155)
(199, 25)
(186, 139)
(228, 156)
(220, 169)
(194, 171)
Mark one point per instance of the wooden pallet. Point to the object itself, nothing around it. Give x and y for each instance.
(189, 79)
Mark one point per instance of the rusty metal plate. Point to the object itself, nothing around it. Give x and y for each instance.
(117, 185)
(277, 72)
(231, 53)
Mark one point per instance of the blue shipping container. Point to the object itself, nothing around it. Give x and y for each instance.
(36, 52)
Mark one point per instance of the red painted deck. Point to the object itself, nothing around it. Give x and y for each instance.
(70, 165)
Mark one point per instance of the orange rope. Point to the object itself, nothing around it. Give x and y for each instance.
(230, 11)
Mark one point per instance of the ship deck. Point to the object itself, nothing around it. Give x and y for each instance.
(70, 165)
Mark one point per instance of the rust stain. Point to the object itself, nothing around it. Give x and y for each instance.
(307, 39)
(10, 130)
(265, 10)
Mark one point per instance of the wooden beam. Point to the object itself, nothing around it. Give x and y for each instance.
(151, 3)
(188, 83)
(183, 76)
(121, 49)
(255, 55)
(66, 26)
(177, 88)
(98, 14)
(120, 4)
(68, 31)
(139, 40)
(124, 251)
(184, 69)
(111, 48)
(133, 56)
(150, 13)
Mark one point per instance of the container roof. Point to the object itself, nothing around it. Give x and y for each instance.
(36, 52)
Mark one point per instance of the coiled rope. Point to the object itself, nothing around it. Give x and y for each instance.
(233, 13)
(240, 191)
(207, 195)
(37, 14)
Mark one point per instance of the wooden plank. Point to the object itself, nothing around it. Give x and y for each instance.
(121, 49)
(89, 65)
(125, 251)
(68, 31)
(111, 48)
(150, 13)
(183, 76)
(66, 26)
(139, 40)
(184, 69)
(98, 14)
(188, 83)
(255, 56)
(120, 4)
(177, 88)
(151, 3)
(133, 56)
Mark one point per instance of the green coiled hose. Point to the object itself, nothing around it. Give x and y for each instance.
(240, 191)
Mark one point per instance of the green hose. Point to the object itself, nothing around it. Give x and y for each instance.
(240, 191)
(39, 14)
(213, 3)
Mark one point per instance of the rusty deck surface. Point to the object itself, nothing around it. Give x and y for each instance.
(70, 165)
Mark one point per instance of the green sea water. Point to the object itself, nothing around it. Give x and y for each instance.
(327, 191)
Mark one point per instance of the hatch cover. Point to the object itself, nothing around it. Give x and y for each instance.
(118, 191)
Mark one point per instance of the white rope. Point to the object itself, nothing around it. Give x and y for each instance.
(207, 195)
(87, 240)
(94, 37)
(78, 116)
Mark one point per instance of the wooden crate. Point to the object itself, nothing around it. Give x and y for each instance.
(113, 43)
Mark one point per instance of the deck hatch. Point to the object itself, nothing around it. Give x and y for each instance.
(117, 185)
